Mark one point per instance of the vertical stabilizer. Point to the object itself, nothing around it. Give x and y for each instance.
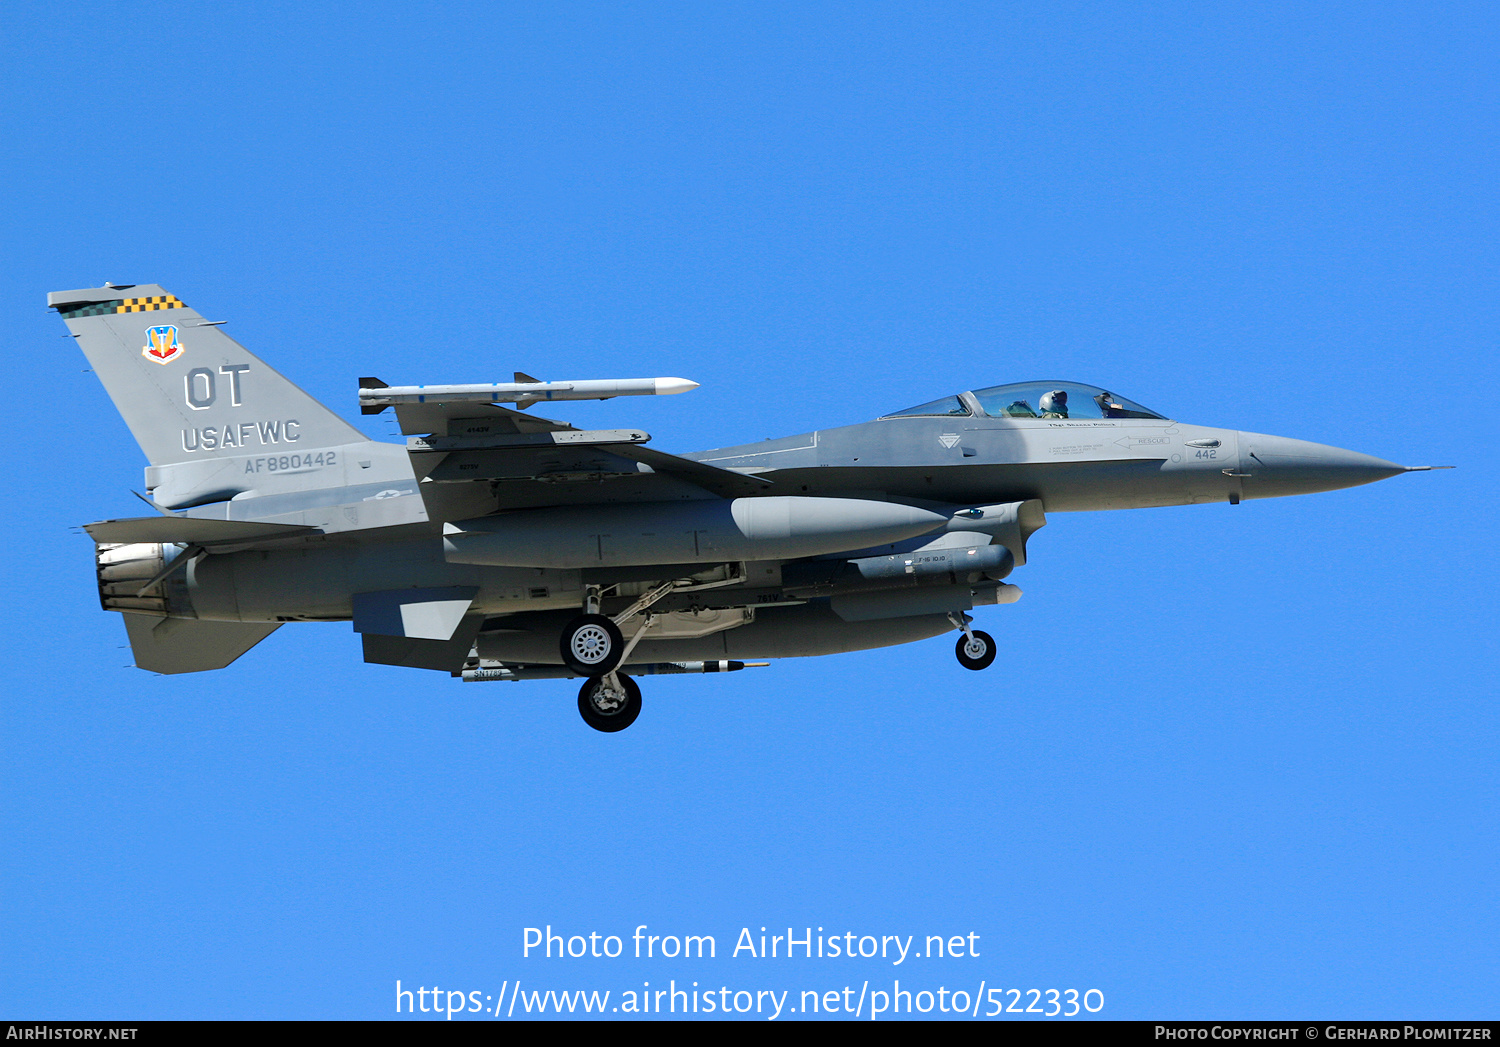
(187, 390)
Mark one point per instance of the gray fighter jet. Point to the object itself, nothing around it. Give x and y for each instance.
(497, 545)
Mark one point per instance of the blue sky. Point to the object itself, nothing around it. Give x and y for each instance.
(1232, 762)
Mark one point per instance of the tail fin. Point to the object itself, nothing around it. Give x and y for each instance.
(187, 390)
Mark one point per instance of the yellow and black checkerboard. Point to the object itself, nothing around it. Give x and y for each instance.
(122, 305)
(143, 305)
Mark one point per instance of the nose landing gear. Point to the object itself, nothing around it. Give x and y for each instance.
(975, 649)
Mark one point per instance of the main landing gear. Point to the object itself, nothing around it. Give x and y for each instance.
(609, 703)
(975, 649)
(593, 646)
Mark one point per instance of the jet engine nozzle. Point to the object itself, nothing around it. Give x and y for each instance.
(124, 571)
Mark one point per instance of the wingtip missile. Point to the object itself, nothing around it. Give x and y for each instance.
(373, 399)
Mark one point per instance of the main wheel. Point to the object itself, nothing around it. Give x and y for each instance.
(977, 653)
(591, 645)
(606, 708)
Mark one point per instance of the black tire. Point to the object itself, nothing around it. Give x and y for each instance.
(977, 656)
(609, 721)
(591, 645)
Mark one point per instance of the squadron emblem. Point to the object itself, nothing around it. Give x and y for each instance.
(163, 346)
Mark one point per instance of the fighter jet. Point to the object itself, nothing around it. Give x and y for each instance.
(499, 545)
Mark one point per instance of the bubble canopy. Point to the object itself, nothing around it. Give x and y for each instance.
(1040, 400)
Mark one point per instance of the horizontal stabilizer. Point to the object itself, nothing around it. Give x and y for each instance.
(186, 530)
(190, 645)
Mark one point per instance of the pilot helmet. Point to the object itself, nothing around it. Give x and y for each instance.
(1055, 401)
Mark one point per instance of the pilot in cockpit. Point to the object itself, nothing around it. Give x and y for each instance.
(1054, 404)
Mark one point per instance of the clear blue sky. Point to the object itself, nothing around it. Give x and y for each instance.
(1231, 762)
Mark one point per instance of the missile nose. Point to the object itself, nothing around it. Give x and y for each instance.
(672, 386)
(1272, 466)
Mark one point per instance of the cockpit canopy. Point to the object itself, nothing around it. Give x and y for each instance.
(1048, 400)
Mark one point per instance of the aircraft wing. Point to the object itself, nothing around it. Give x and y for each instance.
(726, 483)
(473, 463)
(454, 419)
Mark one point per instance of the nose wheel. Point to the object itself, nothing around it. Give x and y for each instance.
(609, 703)
(592, 645)
(976, 650)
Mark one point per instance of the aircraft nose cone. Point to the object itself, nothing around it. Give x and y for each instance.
(1275, 465)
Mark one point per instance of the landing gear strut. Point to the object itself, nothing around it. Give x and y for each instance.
(593, 646)
(609, 703)
(975, 649)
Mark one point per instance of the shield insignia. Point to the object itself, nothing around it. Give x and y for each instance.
(162, 345)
